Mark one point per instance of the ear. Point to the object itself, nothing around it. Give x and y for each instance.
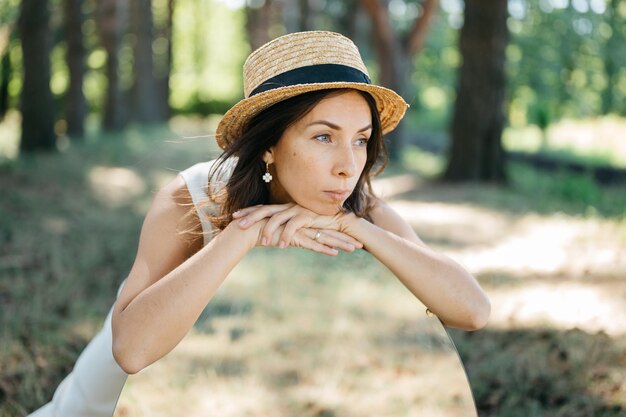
(268, 156)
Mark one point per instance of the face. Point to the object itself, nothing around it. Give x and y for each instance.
(319, 159)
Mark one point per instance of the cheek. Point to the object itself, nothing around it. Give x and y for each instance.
(363, 160)
(300, 175)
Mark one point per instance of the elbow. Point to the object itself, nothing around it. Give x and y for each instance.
(125, 355)
(126, 361)
(479, 316)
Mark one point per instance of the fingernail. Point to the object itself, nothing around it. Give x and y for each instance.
(351, 248)
(243, 222)
(264, 241)
(282, 244)
(334, 251)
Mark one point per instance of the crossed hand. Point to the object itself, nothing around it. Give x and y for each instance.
(293, 225)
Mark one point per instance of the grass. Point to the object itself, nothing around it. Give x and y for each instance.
(307, 335)
(532, 190)
(299, 333)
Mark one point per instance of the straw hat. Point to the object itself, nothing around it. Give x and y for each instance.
(298, 63)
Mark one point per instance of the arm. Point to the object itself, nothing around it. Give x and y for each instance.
(167, 289)
(170, 283)
(440, 283)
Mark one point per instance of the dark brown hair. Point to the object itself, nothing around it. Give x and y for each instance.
(245, 188)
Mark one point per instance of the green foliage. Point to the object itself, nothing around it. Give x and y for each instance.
(568, 192)
(9, 11)
(557, 63)
(567, 187)
(558, 59)
(209, 50)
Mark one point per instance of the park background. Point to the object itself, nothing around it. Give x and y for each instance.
(511, 160)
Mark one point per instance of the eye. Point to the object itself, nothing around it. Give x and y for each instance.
(323, 138)
(362, 141)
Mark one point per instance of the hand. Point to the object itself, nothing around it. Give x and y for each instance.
(296, 226)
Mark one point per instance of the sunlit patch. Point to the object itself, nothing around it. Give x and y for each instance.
(484, 240)
(115, 186)
(556, 244)
(521, 248)
(470, 226)
(10, 131)
(55, 225)
(563, 305)
(389, 187)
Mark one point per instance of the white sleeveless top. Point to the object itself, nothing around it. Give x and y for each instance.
(197, 179)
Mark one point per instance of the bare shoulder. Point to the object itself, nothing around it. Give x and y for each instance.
(385, 217)
(161, 245)
(172, 210)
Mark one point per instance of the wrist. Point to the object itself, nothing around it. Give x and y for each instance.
(348, 224)
(251, 235)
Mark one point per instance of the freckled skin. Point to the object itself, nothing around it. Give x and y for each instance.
(310, 160)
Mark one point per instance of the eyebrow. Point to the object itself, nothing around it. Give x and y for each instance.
(334, 126)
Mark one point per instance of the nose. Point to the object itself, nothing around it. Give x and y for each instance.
(345, 162)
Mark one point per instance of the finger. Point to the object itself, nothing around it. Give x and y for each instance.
(291, 227)
(274, 239)
(303, 241)
(331, 241)
(278, 219)
(342, 236)
(261, 212)
(244, 211)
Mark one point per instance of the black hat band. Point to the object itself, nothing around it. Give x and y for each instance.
(321, 73)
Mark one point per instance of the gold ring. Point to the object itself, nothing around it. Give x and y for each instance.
(317, 235)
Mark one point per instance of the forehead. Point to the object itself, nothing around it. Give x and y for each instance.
(344, 108)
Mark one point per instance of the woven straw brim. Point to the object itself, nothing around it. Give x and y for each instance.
(390, 105)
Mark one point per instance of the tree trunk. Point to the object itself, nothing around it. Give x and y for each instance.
(419, 31)
(348, 20)
(111, 18)
(4, 81)
(146, 99)
(258, 24)
(391, 63)
(395, 56)
(36, 97)
(611, 51)
(164, 80)
(306, 15)
(76, 105)
(476, 152)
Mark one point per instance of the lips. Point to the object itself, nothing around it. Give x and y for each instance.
(338, 195)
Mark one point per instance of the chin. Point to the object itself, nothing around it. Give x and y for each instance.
(332, 210)
(324, 209)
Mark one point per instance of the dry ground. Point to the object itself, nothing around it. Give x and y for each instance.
(353, 344)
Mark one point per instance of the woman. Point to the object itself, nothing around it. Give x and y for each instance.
(299, 152)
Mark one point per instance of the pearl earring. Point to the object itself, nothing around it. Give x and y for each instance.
(267, 177)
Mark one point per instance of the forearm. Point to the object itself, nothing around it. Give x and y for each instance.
(157, 319)
(440, 283)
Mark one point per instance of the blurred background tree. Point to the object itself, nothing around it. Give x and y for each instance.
(476, 150)
(36, 98)
(113, 63)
